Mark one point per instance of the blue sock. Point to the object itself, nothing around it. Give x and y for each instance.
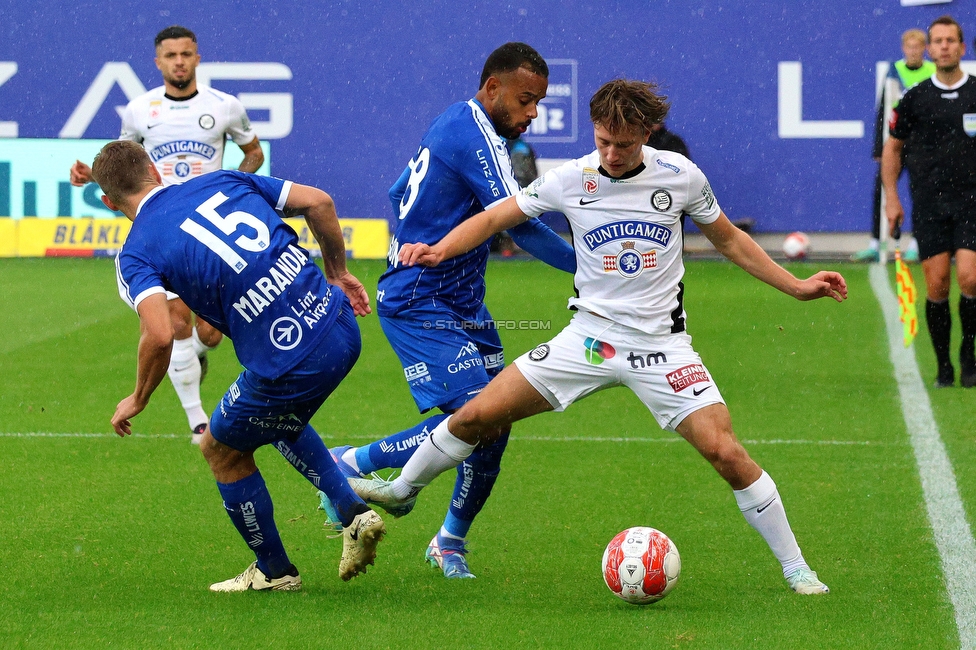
(312, 459)
(395, 450)
(249, 506)
(476, 478)
(456, 527)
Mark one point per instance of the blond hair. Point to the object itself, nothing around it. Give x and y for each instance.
(121, 169)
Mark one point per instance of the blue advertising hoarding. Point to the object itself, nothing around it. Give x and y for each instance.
(776, 100)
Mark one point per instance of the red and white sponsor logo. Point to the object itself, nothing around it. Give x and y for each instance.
(687, 376)
(649, 259)
(196, 168)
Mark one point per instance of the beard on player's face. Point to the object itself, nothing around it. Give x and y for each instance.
(504, 125)
(181, 84)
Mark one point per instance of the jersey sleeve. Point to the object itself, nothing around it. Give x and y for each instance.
(702, 206)
(129, 129)
(544, 194)
(239, 126)
(136, 277)
(903, 116)
(486, 169)
(273, 190)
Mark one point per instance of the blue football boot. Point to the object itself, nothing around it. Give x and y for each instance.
(448, 554)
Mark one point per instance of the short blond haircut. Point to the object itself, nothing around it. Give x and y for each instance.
(913, 34)
(121, 169)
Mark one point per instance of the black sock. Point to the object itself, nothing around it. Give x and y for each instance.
(940, 328)
(967, 352)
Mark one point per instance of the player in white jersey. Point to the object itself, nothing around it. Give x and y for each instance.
(624, 203)
(184, 127)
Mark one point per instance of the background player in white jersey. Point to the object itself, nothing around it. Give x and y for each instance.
(624, 202)
(184, 127)
(435, 319)
(294, 328)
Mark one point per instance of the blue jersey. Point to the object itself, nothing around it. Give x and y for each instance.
(218, 242)
(461, 169)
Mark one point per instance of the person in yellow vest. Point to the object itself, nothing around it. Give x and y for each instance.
(905, 74)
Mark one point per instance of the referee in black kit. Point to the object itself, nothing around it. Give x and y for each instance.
(939, 117)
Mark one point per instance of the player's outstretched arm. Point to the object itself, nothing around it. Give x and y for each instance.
(742, 249)
(155, 346)
(468, 235)
(80, 174)
(253, 156)
(319, 211)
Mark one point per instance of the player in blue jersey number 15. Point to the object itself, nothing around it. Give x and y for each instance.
(219, 243)
(184, 126)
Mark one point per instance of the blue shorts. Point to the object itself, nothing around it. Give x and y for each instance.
(256, 411)
(447, 359)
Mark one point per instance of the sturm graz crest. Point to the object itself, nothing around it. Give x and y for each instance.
(540, 353)
(661, 200)
(206, 121)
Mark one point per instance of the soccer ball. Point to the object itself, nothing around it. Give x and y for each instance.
(641, 565)
(796, 246)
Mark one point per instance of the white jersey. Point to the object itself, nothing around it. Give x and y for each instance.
(185, 138)
(627, 233)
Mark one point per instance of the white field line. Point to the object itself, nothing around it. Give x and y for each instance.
(675, 439)
(953, 537)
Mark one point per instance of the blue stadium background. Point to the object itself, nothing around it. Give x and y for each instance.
(367, 77)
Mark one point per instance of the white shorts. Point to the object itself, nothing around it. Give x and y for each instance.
(593, 353)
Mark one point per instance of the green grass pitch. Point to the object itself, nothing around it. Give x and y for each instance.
(112, 542)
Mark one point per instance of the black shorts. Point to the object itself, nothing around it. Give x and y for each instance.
(943, 224)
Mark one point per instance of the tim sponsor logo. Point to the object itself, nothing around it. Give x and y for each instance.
(642, 360)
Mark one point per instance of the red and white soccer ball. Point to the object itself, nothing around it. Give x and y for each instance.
(641, 565)
(796, 246)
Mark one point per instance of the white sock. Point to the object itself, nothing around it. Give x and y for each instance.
(762, 507)
(199, 347)
(184, 372)
(349, 457)
(439, 452)
(448, 534)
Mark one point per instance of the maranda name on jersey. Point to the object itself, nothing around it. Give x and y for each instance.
(266, 290)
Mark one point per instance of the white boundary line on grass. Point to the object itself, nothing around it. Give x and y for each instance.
(953, 537)
(827, 443)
